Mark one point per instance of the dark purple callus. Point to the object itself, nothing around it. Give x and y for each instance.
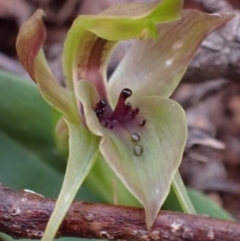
(143, 122)
(106, 123)
(101, 104)
(127, 108)
(137, 111)
(133, 114)
(120, 107)
(111, 125)
(100, 109)
(123, 112)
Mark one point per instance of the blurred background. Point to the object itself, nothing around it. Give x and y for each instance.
(209, 93)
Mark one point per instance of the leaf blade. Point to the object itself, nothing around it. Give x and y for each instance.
(27, 118)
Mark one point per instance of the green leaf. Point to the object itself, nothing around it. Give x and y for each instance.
(21, 169)
(204, 205)
(91, 38)
(148, 174)
(201, 203)
(83, 147)
(29, 49)
(156, 67)
(27, 119)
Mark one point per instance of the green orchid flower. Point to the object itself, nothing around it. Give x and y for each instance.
(129, 122)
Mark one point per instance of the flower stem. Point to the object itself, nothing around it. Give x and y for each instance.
(182, 195)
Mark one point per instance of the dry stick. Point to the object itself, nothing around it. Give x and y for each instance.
(24, 215)
(219, 55)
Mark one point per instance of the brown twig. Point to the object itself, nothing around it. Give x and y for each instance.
(24, 215)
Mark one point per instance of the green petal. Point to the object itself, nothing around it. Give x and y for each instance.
(105, 184)
(29, 49)
(91, 38)
(156, 67)
(147, 176)
(131, 20)
(83, 147)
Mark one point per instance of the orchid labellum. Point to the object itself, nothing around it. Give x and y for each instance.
(129, 122)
